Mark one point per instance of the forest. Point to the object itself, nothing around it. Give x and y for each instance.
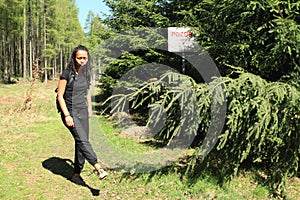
(34, 31)
(254, 44)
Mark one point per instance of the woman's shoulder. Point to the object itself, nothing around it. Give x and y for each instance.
(65, 74)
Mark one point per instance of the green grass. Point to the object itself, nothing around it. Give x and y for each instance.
(36, 153)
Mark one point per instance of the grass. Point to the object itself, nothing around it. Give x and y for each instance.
(36, 153)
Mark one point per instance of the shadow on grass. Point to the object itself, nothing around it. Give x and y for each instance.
(64, 168)
(189, 177)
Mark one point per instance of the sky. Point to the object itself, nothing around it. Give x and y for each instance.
(97, 6)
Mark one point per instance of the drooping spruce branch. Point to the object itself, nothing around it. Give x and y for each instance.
(261, 125)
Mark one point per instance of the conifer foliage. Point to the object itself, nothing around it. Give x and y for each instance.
(255, 45)
(30, 29)
(261, 126)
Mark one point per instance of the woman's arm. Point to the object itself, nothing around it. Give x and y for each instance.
(60, 97)
(89, 103)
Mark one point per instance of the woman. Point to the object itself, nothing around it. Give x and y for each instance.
(73, 97)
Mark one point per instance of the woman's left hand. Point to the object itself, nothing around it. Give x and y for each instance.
(69, 121)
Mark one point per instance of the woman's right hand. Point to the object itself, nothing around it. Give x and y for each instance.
(69, 121)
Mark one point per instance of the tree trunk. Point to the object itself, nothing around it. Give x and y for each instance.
(3, 56)
(20, 66)
(45, 43)
(61, 60)
(15, 57)
(30, 38)
(9, 61)
(37, 31)
(24, 46)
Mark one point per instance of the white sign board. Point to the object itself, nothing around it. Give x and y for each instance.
(180, 39)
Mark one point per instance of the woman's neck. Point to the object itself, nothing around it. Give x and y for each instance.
(77, 70)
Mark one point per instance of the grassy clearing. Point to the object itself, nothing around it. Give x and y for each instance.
(36, 153)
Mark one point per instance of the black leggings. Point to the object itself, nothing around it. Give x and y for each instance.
(80, 132)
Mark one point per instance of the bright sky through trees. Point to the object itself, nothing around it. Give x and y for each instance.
(97, 6)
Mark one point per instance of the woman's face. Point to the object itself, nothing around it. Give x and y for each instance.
(81, 58)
